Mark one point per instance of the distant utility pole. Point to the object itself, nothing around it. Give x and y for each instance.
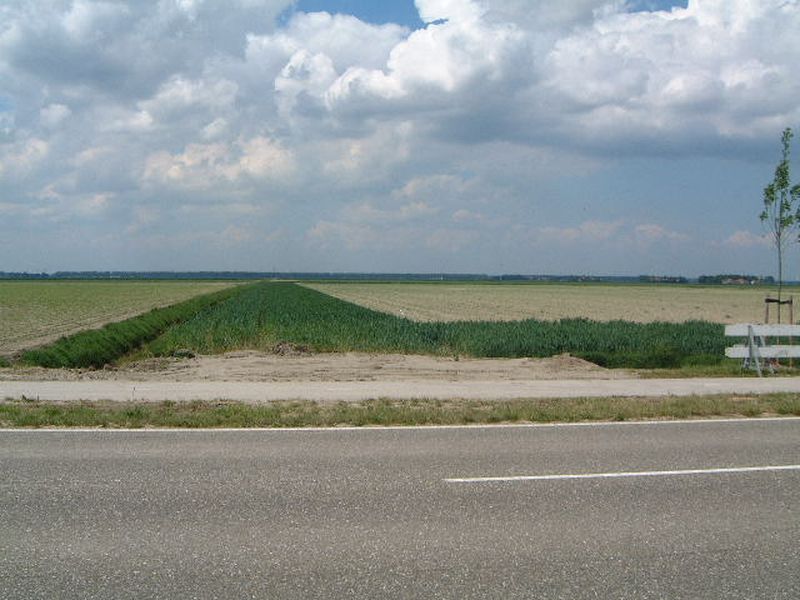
(780, 211)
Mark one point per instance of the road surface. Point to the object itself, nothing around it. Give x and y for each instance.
(662, 510)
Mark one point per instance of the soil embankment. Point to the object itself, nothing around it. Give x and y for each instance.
(302, 366)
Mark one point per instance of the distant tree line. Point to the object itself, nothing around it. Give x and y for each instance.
(735, 279)
(726, 279)
(662, 279)
(228, 275)
(235, 275)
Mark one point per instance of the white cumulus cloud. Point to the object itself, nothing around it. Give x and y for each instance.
(499, 123)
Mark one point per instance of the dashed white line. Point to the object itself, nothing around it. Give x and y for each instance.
(625, 474)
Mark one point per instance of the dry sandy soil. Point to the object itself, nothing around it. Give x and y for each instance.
(298, 367)
(551, 301)
(257, 378)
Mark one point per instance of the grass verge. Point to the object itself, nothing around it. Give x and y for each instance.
(729, 368)
(27, 413)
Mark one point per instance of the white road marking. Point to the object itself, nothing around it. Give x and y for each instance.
(625, 474)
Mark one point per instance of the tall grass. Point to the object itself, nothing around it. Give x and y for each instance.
(382, 412)
(97, 347)
(265, 314)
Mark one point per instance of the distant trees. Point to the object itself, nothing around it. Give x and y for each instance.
(781, 213)
(735, 279)
(662, 279)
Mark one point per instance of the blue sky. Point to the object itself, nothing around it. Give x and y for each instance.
(405, 12)
(530, 136)
(399, 11)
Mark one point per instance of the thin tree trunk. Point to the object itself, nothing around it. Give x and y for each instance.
(780, 280)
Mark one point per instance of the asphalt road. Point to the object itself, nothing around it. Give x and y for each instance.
(351, 391)
(376, 513)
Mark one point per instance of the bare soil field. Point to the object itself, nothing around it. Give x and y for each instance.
(550, 302)
(36, 312)
(300, 367)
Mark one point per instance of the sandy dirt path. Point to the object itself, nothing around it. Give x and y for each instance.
(258, 377)
(352, 391)
(293, 366)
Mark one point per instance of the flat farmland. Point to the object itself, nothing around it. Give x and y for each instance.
(429, 302)
(37, 312)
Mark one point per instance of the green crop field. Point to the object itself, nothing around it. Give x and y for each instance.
(645, 303)
(261, 316)
(266, 314)
(37, 312)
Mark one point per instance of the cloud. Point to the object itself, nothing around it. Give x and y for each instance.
(91, 156)
(94, 204)
(747, 239)
(180, 94)
(704, 69)
(263, 158)
(587, 74)
(329, 234)
(206, 166)
(431, 11)
(143, 218)
(502, 124)
(364, 224)
(586, 232)
(122, 120)
(432, 64)
(619, 232)
(407, 212)
(53, 114)
(223, 209)
(20, 158)
(345, 40)
(451, 240)
(463, 215)
(225, 240)
(547, 16)
(650, 232)
(10, 208)
(304, 77)
(233, 235)
(365, 157)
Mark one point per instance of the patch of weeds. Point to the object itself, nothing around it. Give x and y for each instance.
(22, 399)
(728, 368)
(382, 412)
(788, 406)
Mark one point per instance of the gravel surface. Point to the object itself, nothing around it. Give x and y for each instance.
(353, 391)
(259, 377)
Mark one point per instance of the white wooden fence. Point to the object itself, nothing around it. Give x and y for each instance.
(756, 348)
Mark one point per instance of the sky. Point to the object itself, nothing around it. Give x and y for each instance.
(602, 137)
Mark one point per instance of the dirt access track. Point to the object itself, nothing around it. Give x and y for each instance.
(257, 377)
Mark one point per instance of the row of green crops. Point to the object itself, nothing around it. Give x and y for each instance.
(263, 315)
(97, 347)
